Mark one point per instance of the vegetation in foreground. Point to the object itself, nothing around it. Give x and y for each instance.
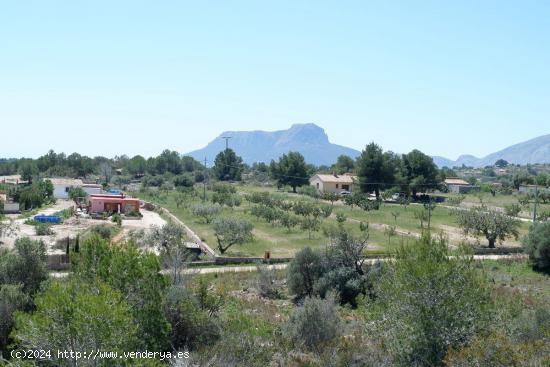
(425, 308)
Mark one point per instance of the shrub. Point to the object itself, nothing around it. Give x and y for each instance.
(303, 272)
(226, 198)
(512, 209)
(104, 232)
(117, 219)
(184, 180)
(289, 221)
(308, 191)
(266, 282)
(192, 326)
(537, 245)
(43, 229)
(429, 302)
(314, 324)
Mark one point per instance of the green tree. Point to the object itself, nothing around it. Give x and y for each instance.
(501, 163)
(231, 231)
(76, 193)
(26, 265)
(78, 316)
(537, 245)
(228, 166)
(420, 171)
(206, 211)
(428, 302)
(376, 169)
(136, 165)
(291, 169)
(136, 276)
(344, 164)
(12, 299)
(491, 224)
(28, 171)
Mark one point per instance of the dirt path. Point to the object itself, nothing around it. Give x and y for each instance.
(194, 237)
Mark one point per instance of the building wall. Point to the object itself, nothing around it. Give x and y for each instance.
(462, 189)
(327, 187)
(61, 191)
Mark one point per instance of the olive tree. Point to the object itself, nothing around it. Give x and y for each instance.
(491, 224)
(206, 211)
(231, 231)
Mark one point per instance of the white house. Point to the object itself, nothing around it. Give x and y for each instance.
(333, 183)
(61, 187)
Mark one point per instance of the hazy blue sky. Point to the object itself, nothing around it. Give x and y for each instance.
(113, 77)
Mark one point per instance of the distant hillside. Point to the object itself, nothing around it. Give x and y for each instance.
(263, 146)
(536, 150)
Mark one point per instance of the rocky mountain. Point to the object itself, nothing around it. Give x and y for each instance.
(263, 146)
(536, 150)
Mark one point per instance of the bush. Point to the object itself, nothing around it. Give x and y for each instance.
(266, 282)
(117, 219)
(314, 324)
(537, 245)
(512, 209)
(226, 198)
(104, 232)
(184, 180)
(303, 272)
(308, 191)
(43, 229)
(429, 302)
(192, 326)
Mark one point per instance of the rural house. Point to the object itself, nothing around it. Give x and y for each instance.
(334, 183)
(101, 203)
(459, 186)
(61, 187)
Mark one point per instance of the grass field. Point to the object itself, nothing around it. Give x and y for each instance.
(283, 243)
(267, 237)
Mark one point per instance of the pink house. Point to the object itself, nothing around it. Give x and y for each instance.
(113, 204)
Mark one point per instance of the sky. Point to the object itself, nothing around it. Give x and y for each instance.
(136, 77)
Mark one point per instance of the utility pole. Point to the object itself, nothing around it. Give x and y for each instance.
(429, 211)
(226, 141)
(204, 182)
(536, 202)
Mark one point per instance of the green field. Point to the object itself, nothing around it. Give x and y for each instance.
(283, 243)
(267, 237)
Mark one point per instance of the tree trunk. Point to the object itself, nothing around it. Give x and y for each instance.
(294, 189)
(491, 242)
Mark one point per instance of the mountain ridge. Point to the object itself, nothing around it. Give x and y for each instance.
(313, 143)
(536, 150)
(263, 146)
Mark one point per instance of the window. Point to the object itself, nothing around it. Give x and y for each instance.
(317, 184)
(336, 185)
(67, 189)
(345, 187)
